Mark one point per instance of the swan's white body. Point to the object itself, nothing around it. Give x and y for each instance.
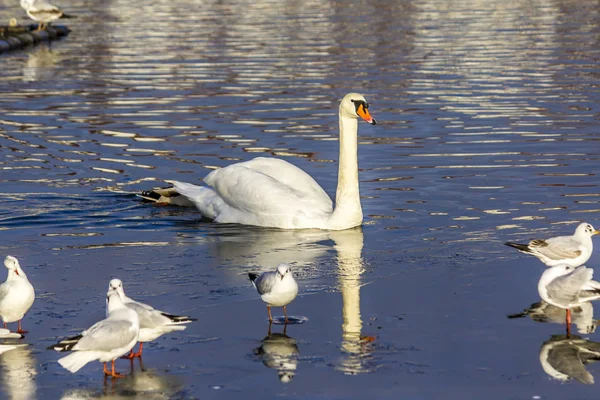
(274, 193)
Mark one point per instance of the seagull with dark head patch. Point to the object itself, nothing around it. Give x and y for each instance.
(276, 288)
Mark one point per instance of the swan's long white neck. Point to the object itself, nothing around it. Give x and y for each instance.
(347, 212)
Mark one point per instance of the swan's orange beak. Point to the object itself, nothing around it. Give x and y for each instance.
(364, 114)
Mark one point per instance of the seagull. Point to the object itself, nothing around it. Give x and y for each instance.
(277, 288)
(42, 11)
(566, 287)
(572, 250)
(16, 294)
(105, 341)
(153, 323)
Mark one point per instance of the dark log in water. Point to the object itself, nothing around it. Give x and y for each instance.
(17, 37)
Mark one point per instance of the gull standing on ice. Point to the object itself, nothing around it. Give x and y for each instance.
(43, 12)
(105, 341)
(16, 294)
(572, 250)
(153, 323)
(277, 288)
(566, 287)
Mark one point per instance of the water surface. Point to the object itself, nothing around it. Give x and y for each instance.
(487, 131)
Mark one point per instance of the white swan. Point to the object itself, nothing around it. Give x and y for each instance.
(274, 193)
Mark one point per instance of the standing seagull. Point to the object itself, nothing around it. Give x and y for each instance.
(16, 294)
(572, 250)
(105, 341)
(566, 287)
(43, 12)
(153, 323)
(277, 288)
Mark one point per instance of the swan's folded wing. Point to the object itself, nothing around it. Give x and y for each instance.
(251, 191)
(286, 174)
(107, 335)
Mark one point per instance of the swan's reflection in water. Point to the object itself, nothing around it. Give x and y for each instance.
(565, 357)
(266, 248)
(139, 384)
(582, 316)
(279, 352)
(18, 373)
(356, 347)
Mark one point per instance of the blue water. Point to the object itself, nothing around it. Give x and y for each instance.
(487, 132)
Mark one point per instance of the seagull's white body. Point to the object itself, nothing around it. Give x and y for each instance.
(106, 340)
(41, 10)
(16, 293)
(153, 323)
(572, 250)
(566, 287)
(274, 193)
(277, 288)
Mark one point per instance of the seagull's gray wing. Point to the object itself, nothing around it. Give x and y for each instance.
(107, 335)
(565, 289)
(149, 317)
(265, 282)
(557, 248)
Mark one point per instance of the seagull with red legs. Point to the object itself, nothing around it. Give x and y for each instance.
(566, 287)
(16, 294)
(276, 288)
(153, 323)
(104, 341)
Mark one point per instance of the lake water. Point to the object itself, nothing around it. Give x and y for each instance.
(487, 131)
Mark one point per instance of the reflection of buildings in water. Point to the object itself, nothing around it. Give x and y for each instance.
(18, 373)
(142, 384)
(357, 349)
(582, 316)
(564, 357)
(279, 352)
(40, 64)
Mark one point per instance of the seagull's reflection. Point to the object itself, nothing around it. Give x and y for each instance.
(18, 373)
(582, 316)
(564, 357)
(40, 64)
(279, 352)
(139, 384)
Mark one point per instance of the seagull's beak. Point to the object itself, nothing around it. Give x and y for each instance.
(364, 114)
(17, 271)
(595, 232)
